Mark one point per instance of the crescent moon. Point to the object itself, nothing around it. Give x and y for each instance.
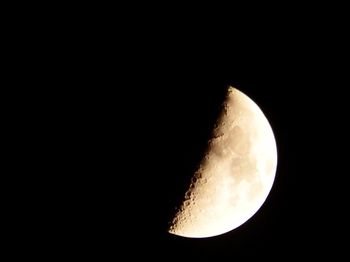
(235, 175)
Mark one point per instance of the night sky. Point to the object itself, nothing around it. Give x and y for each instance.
(132, 121)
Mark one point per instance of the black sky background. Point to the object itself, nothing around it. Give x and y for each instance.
(129, 112)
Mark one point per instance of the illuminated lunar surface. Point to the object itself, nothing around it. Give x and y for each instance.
(236, 174)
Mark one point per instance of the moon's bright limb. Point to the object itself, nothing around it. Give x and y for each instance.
(236, 174)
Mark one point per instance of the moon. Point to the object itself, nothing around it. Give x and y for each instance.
(235, 175)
